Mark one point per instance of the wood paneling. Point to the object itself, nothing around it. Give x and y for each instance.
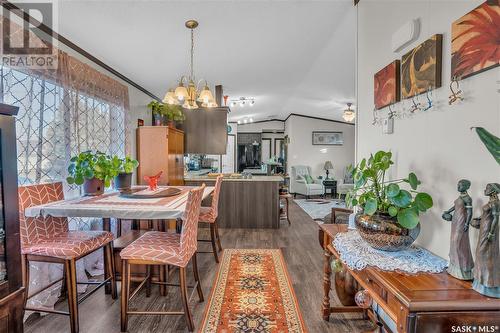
(249, 204)
(160, 148)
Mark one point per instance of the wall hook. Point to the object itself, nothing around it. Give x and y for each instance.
(391, 113)
(429, 100)
(415, 106)
(455, 95)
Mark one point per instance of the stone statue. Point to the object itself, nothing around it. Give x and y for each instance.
(487, 270)
(461, 262)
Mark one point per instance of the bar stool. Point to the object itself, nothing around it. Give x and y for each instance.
(162, 248)
(209, 215)
(48, 239)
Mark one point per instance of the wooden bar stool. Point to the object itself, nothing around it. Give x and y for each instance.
(47, 239)
(162, 248)
(209, 215)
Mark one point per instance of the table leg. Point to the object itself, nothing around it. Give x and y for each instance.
(106, 226)
(327, 273)
(287, 215)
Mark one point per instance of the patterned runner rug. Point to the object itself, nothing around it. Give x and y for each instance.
(252, 294)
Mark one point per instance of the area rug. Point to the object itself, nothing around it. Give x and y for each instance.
(252, 294)
(318, 209)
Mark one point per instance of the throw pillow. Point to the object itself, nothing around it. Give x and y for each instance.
(309, 179)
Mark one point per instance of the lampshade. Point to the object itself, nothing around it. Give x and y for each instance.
(328, 165)
(170, 97)
(205, 95)
(181, 92)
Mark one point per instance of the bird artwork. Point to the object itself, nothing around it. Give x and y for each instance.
(153, 181)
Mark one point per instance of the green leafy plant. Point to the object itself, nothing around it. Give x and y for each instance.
(127, 164)
(375, 195)
(156, 107)
(88, 165)
(173, 112)
(490, 141)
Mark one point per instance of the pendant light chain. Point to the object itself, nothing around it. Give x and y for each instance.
(192, 54)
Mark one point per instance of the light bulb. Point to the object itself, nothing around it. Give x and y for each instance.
(242, 103)
(251, 120)
(239, 122)
(244, 121)
(233, 104)
(252, 103)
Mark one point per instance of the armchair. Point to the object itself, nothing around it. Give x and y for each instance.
(298, 182)
(345, 185)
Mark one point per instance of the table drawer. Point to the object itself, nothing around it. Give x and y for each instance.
(375, 287)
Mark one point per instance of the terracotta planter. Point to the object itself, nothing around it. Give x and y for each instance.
(171, 124)
(383, 232)
(93, 186)
(123, 182)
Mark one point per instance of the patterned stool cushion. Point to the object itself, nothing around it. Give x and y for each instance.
(161, 247)
(68, 245)
(207, 215)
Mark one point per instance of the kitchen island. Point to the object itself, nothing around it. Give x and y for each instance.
(246, 203)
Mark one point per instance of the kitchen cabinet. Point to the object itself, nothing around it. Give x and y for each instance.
(160, 148)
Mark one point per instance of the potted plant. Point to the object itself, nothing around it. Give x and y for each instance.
(157, 109)
(125, 168)
(390, 216)
(94, 171)
(174, 114)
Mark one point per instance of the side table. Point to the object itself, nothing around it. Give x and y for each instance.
(331, 185)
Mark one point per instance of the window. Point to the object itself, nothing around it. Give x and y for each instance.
(55, 123)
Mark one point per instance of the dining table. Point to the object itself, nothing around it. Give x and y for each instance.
(122, 206)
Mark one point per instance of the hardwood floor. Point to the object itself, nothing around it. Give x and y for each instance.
(304, 260)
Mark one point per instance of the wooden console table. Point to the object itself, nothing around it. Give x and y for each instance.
(416, 303)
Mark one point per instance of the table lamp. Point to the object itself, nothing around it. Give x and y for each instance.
(328, 165)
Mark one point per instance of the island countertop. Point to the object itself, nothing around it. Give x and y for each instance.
(190, 178)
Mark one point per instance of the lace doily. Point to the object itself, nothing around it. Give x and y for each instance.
(357, 254)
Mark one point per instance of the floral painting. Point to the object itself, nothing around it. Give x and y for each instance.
(421, 67)
(386, 85)
(475, 40)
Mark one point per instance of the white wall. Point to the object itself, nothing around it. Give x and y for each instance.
(437, 145)
(259, 127)
(301, 151)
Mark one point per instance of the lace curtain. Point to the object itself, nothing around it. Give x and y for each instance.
(61, 113)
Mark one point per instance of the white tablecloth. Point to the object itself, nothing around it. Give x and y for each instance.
(111, 205)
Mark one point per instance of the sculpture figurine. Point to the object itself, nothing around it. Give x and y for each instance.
(461, 262)
(153, 181)
(487, 270)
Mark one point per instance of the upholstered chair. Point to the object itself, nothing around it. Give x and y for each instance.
(209, 215)
(162, 248)
(48, 239)
(300, 185)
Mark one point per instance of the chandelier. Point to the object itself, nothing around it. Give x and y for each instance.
(189, 96)
(349, 113)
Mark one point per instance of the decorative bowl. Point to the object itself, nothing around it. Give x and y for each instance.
(382, 232)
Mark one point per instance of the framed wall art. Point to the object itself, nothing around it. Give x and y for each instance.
(386, 85)
(327, 138)
(421, 67)
(474, 41)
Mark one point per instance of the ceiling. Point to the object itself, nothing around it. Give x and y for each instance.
(291, 56)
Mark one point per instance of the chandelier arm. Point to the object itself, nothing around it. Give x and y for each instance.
(183, 77)
(198, 84)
